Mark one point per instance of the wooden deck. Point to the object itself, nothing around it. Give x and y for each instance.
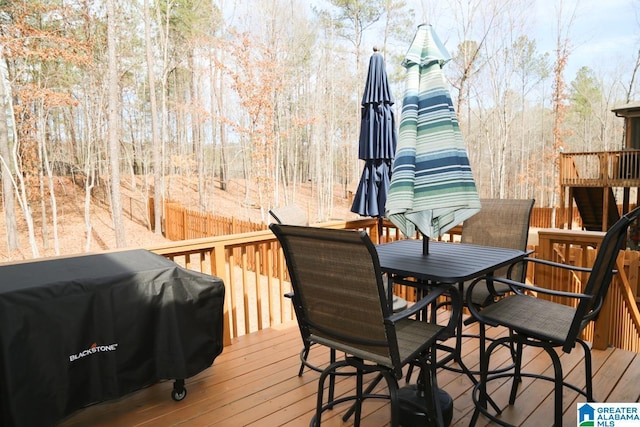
(254, 382)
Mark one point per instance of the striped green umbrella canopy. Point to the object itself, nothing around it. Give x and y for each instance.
(432, 187)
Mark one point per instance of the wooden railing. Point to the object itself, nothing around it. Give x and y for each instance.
(254, 272)
(600, 169)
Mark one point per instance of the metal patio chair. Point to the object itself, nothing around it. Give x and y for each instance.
(539, 322)
(294, 215)
(341, 303)
(500, 223)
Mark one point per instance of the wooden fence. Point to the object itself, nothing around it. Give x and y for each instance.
(181, 223)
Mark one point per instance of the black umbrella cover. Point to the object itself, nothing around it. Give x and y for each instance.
(378, 136)
(377, 143)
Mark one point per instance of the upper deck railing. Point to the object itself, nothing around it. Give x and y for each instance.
(600, 169)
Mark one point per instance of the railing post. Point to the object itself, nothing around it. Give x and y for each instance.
(601, 326)
(543, 273)
(219, 269)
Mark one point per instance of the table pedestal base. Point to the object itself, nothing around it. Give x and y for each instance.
(412, 407)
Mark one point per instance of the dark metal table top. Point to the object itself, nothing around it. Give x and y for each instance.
(446, 262)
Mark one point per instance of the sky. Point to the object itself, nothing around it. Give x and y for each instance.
(604, 36)
(604, 32)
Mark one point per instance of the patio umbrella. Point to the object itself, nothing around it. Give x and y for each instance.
(432, 188)
(378, 140)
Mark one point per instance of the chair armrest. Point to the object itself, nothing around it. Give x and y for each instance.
(558, 265)
(456, 306)
(518, 286)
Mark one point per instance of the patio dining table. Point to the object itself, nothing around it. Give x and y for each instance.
(446, 264)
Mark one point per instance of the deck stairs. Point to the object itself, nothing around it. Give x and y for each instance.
(589, 201)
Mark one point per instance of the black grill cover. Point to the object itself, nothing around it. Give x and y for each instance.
(80, 330)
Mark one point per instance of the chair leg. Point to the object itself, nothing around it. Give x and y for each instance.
(303, 357)
(332, 378)
(559, 383)
(484, 399)
(482, 383)
(369, 390)
(304, 354)
(317, 420)
(517, 371)
(330, 371)
(588, 370)
(358, 415)
(392, 385)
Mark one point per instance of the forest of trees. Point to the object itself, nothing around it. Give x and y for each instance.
(268, 91)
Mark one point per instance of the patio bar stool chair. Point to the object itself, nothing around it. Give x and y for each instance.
(342, 304)
(294, 215)
(500, 223)
(545, 324)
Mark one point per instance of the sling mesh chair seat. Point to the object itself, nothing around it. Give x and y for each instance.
(548, 325)
(341, 303)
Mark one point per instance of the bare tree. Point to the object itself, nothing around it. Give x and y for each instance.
(156, 146)
(5, 156)
(559, 97)
(636, 67)
(114, 126)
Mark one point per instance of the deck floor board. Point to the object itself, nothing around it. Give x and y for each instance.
(254, 382)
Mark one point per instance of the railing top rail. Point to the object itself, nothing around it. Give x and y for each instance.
(591, 153)
(239, 239)
(570, 234)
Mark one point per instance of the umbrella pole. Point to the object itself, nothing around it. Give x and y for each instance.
(425, 245)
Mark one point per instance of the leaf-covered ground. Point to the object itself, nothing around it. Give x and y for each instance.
(72, 229)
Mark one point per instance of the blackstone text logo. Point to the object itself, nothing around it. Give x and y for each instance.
(93, 350)
(608, 414)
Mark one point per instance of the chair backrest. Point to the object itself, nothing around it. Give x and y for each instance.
(601, 275)
(501, 223)
(290, 214)
(338, 290)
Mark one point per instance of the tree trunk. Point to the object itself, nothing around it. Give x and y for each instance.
(113, 128)
(155, 134)
(8, 201)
